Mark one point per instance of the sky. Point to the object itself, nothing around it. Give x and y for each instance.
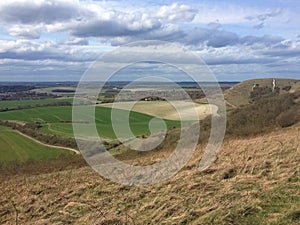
(57, 40)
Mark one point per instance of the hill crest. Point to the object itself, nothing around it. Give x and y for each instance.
(239, 94)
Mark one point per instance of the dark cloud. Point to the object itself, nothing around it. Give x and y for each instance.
(250, 18)
(222, 38)
(266, 40)
(287, 53)
(210, 37)
(274, 13)
(112, 28)
(259, 26)
(47, 12)
(235, 60)
(29, 55)
(195, 36)
(77, 41)
(260, 19)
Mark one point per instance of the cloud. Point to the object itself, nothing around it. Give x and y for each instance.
(195, 36)
(44, 11)
(114, 27)
(214, 25)
(222, 38)
(266, 40)
(237, 55)
(71, 31)
(25, 31)
(210, 37)
(282, 52)
(81, 19)
(176, 12)
(259, 26)
(261, 18)
(76, 41)
(286, 49)
(269, 14)
(31, 51)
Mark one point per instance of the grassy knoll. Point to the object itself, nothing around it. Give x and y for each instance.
(57, 120)
(32, 103)
(15, 147)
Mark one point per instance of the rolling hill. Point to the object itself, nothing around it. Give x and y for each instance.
(57, 120)
(238, 95)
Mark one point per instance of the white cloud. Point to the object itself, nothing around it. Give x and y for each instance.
(25, 31)
(176, 12)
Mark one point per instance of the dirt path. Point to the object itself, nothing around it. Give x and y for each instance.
(233, 106)
(22, 123)
(47, 145)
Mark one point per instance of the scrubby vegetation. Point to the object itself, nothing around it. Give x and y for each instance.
(289, 117)
(263, 115)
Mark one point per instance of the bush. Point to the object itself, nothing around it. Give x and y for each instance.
(229, 173)
(287, 118)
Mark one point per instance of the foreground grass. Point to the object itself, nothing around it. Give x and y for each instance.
(254, 181)
(17, 148)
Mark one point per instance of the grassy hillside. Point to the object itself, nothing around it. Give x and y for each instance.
(239, 94)
(57, 120)
(263, 115)
(16, 148)
(254, 181)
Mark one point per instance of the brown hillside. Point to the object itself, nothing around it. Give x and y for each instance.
(254, 181)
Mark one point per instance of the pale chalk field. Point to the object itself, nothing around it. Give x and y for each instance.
(172, 110)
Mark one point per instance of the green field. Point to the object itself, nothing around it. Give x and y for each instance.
(57, 120)
(15, 147)
(32, 103)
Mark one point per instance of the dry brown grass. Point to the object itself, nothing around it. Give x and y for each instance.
(262, 188)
